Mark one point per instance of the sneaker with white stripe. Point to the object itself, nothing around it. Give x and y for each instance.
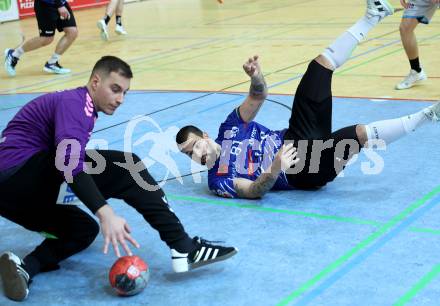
(379, 8)
(14, 277)
(433, 112)
(206, 253)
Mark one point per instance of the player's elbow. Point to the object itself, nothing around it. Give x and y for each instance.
(250, 193)
(259, 96)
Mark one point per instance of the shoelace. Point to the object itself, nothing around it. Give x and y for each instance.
(411, 77)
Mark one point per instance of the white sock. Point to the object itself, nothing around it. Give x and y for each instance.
(342, 48)
(361, 28)
(54, 58)
(393, 129)
(18, 52)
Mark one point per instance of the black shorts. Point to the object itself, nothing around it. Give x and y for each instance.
(311, 124)
(49, 19)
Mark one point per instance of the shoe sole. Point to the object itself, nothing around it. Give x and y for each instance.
(434, 112)
(14, 285)
(388, 6)
(104, 34)
(54, 72)
(413, 84)
(204, 263)
(6, 65)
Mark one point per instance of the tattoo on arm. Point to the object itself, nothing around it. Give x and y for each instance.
(262, 185)
(258, 87)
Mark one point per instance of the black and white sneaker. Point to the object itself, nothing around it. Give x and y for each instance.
(55, 68)
(10, 62)
(433, 112)
(15, 279)
(379, 8)
(205, 254)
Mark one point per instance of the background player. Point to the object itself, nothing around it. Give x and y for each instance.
(51, 15)
(416, 11)
(114, 5)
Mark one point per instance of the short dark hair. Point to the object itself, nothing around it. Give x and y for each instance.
(108, 64)
(182, 135)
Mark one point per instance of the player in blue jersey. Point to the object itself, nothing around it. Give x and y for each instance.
(43, 146)
(247, 159)
(51, 15)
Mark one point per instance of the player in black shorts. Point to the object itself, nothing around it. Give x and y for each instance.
(247, 159)
(30, 184)
(51, 15)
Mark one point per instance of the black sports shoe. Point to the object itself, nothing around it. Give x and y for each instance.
(55, 68)
(205, 254)
(15, 279)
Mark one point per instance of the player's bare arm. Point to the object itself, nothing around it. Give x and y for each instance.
(257, 92)
(285, 158)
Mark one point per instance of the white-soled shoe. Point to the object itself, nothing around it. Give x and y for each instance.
(204, 254)
(411, 79)
(379, 8)
(102, 26)
(120, 30)
(55, 68)
(10, 62)
(14, 278)
(433, 112)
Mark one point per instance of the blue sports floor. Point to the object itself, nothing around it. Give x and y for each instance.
(362, 240)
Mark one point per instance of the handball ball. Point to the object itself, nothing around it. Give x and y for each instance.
(129, 275)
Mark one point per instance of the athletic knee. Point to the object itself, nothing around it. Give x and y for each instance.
(326, 62)
(403, 30)
(407, 27)
(71, 33)
(361, 133)
(45, 41)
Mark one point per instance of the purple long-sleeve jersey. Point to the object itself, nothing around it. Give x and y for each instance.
(61, 120)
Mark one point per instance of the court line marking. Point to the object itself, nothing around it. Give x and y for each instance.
(164, 124)
(290, 79)
(380, 57)
(259, 12)
(141, 60)
(231, 203)
(162, 55)
(271, 86)
(419, 286)
(379, 233)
